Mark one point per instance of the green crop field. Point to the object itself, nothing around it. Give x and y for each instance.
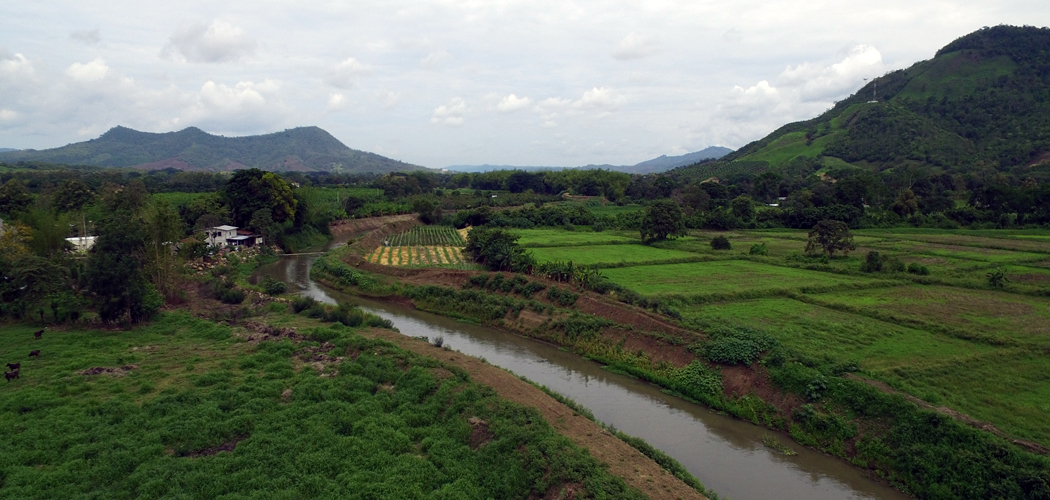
(727, 277)
(608, 254)
(947, 337)
(427, 236)
(185, 408)
(560, 237)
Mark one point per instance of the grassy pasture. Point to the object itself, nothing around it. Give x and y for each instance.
(608, 254)
(958, 343)
(726, 277)
(203, 414)
(561, 237)
(1015, 318)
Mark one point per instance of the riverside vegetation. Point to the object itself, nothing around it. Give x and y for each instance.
(833, 335)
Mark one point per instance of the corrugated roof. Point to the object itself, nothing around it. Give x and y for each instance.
(225, 228)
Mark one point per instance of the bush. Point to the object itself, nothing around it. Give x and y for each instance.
(721, 243)
(301, 303)
(274, 287)
(562, 297)
(759, 249)
(232, 296)
(874, 262)
(737, 346)
(916, 268)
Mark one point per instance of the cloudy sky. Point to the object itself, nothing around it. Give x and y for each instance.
(441, 82)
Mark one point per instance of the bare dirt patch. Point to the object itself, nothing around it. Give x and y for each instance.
(624, 461)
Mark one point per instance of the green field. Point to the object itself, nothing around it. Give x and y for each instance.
(190, 409)
(946, 337)
(608, 255)
(726, 277)
(560, 237)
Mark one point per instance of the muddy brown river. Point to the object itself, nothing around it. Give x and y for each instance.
(726, 454)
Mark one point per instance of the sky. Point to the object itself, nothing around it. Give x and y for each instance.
(459, 82)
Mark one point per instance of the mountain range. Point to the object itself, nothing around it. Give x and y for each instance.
(655, 165)
(297, 149)
(981, 103)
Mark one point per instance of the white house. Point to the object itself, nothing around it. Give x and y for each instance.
(219, 235)
(81, 244)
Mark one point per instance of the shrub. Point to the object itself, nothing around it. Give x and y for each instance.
(916, 268)
(997, 278)
(232, 296)
(562, 297)
(721, 243)
(735, 346)
(759, 249)
(274, 287)
(301, 303)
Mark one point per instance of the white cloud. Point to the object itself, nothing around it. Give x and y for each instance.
(15, 67)
(512, 103)
(435, 59)
(336, 102)
(388, 99)
(604, 100)
(344, 73)
(635, 46)
(217, 42)
(88, 72)
(450, 114)
(822, 83)
(6, 115)
(87, 37)
(244, 107)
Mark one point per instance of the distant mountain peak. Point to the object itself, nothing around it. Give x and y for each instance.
(308, 148)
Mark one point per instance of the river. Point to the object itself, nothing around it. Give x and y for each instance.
(726, 454)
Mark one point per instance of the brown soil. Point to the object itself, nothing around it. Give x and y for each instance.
(962, 417)
(624, 461)
(742, 380)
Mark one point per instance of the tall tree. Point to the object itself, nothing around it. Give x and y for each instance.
(829, 236)
(663, 219)
(252, 189)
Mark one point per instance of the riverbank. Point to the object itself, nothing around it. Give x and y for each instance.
(919, 450)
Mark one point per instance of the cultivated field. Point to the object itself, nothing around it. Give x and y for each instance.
(948, 337)
(423, 246)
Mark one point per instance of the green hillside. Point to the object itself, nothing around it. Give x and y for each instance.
(298, 149)
(982, 102)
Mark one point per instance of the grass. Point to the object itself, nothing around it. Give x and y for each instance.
(952, 341)
(607, 254)
(561, 237)
(205, 414)
(725, 277)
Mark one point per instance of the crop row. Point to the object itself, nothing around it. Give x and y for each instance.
(427, 236)
(431, 255)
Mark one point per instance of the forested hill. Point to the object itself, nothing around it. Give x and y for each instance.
(981, 104)
(299, 149)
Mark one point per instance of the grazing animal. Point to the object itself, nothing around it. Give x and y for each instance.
(10, 375)
(38, 334)
(34, 353)
(14, 366)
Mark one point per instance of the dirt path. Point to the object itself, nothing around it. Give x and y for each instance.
(624, 461)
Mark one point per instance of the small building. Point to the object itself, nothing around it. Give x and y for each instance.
(219, 235)
(231, 236)
(82, 244)
(245, 238)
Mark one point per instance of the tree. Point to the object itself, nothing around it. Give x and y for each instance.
(14, 197)
(498, 250)
(743, 208)
(906, 203)
(164, 229)
(72, 196)
(262, 223)
(114, 268)
(828, 236)
(663, 219)
(252, 189)
(429, 211)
